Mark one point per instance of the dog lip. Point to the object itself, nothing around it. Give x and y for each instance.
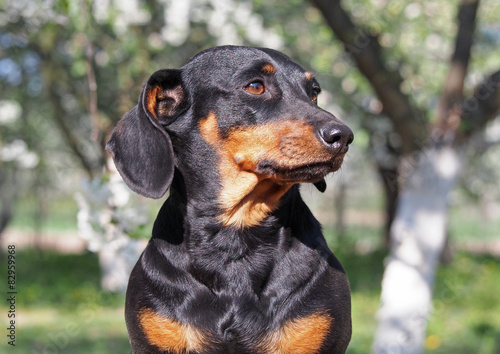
(307, 172)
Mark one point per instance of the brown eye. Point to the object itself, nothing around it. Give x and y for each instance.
(255, 88)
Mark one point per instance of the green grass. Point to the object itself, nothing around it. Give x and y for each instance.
(61, 308)
(47, 278)
(59, 215)
(84, 330)
(467, 223)
(467, 306)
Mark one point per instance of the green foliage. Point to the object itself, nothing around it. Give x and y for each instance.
(364, 271)
(49, 47)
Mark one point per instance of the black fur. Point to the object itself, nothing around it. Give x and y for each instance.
(236, 285)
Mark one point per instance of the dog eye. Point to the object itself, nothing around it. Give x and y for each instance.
(255, 88)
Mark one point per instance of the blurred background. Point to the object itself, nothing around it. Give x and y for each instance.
(416, 80)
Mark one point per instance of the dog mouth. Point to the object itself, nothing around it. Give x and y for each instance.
(302, 173)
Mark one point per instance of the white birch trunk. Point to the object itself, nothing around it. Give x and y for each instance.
(418, 237)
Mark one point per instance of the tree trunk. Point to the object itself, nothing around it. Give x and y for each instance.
(418, 237)
(419, 230)
(340, 198)
(389, 179)
(8, 196)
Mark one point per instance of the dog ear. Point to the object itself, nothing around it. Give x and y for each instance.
(140, 145)
(321, 185)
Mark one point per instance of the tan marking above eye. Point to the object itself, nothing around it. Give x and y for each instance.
(268, 69)
(256, 88)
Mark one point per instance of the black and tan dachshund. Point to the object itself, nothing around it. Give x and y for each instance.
(237, 263)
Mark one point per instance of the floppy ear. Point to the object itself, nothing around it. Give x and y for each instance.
(140, 145)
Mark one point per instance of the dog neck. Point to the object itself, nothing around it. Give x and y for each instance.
(205, 208)
(195, 224)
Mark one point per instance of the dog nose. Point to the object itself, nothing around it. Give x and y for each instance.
(336, 136)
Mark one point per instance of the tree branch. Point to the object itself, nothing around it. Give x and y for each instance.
(93, 110)
(8, 196)
(92, 82)
(364, 48)
(71, 139)
(51, 70)
(483, 106)
(449, 111)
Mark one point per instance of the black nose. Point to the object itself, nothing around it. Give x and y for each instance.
(336, 136)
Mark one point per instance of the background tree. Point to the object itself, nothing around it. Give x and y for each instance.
(82, 63)
(431, 159)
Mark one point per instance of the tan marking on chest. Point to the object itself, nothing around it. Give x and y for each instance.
(299, 336)
(169, 335)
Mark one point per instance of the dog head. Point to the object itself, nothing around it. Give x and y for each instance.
(246, 117)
